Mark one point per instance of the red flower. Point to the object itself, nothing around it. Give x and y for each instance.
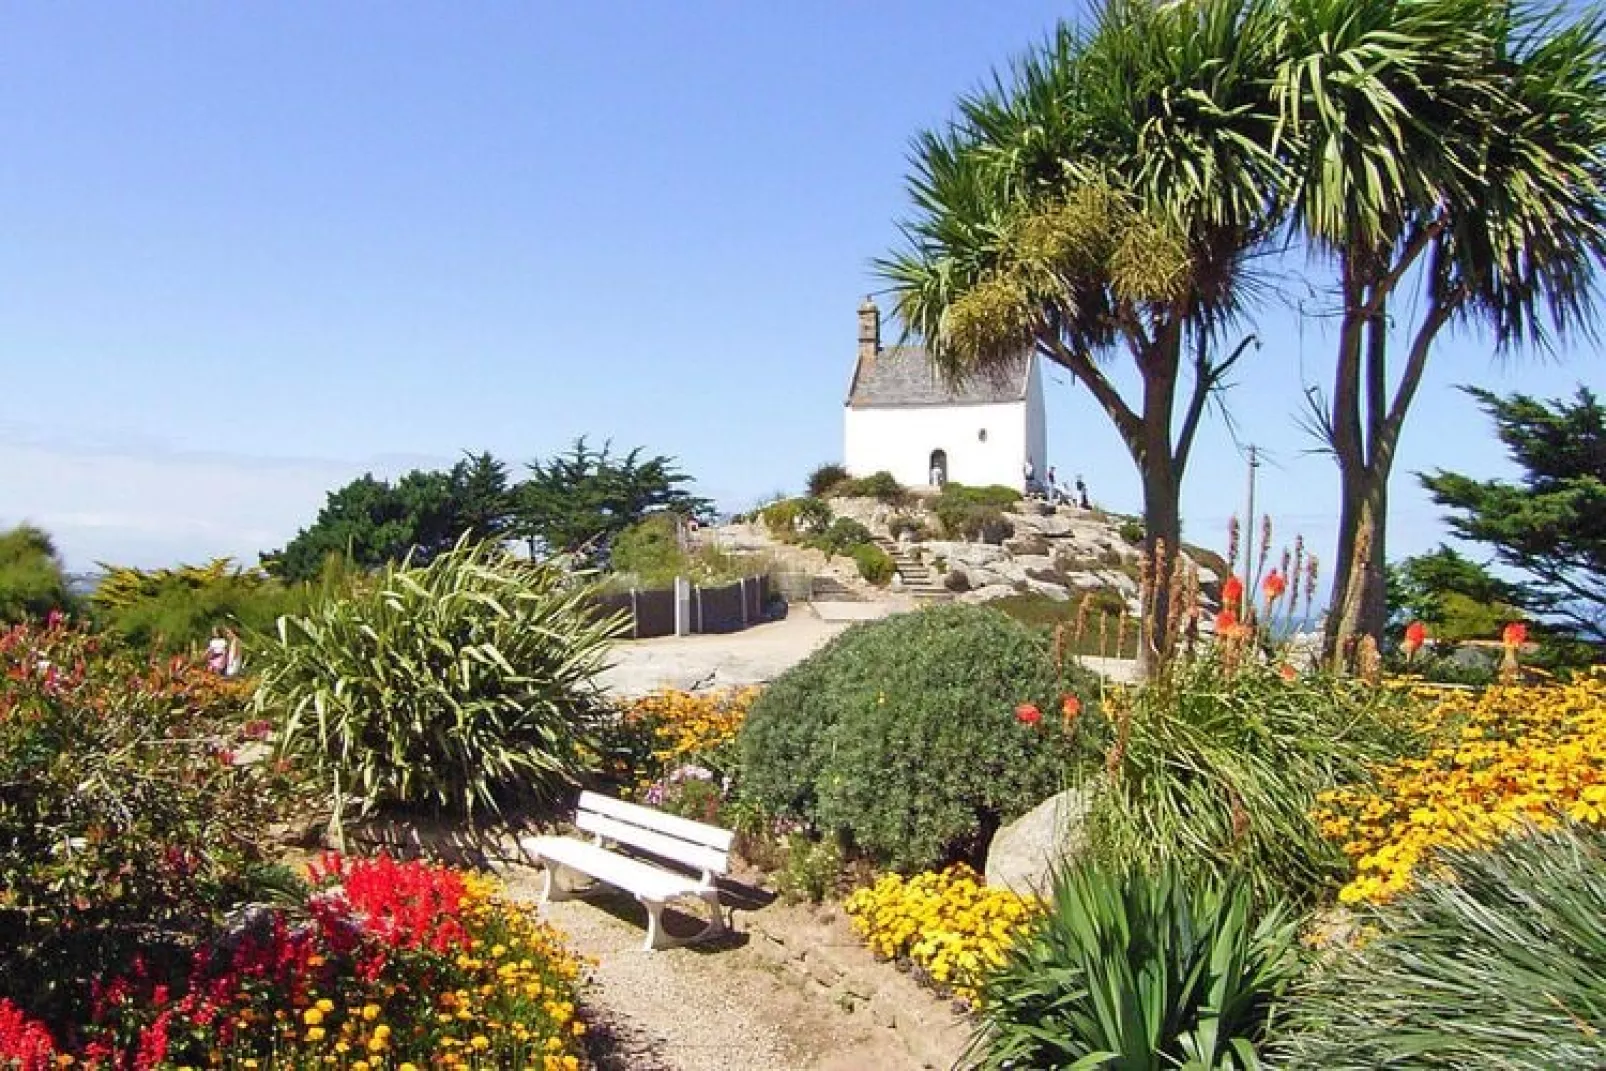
(1515, 635)
(1028, 714)
(1232, 592)
(1287, 672)
(1272, 588)
(1416, 634)
(1071, 705)
(1226, 621)
(24, 1043)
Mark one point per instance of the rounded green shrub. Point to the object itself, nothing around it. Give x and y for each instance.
(903, 734)
(842, 537)
(825, 478)
(451, 686)
(875, 565)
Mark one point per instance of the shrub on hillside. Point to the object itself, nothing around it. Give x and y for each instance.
(1497, 961)
(1217, 772)
(881, 486)
(32, 581)
(649, 548)
(975, 513)
(825, 478)
(875, 565)
(126, 826)
(791, 517)
(452, 686)
(844, 534)
(1136, 970)
(903, 734)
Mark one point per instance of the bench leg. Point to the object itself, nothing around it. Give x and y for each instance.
(657, 937)
(558, 885)
(716, 915)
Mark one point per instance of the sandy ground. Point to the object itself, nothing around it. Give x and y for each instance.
(759, 654)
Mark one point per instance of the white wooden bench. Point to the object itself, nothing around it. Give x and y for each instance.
(699, 847)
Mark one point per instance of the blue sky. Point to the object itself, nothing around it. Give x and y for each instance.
(254, 250)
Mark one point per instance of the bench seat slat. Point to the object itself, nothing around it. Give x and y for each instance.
(682, 828)
(696, 856)
(632, 875)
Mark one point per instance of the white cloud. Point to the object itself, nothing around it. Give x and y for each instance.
(140, 503)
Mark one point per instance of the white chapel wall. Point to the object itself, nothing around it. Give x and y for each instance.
(900, 440)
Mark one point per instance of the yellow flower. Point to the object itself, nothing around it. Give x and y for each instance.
(480, 1042)
(370, 1012)
(312, 1016)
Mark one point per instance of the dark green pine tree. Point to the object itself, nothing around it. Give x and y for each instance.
(1549, 525)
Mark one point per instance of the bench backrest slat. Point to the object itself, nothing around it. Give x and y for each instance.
(702, 847)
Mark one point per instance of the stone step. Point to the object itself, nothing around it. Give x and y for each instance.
(830, 589)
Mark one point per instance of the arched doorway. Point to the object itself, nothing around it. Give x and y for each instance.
(939, 468)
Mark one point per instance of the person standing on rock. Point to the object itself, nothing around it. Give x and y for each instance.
(1029, 475)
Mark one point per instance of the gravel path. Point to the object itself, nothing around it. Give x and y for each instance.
(715, 1007)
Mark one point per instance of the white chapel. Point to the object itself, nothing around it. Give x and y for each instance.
(902, 418)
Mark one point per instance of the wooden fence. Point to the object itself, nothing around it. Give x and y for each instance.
(689, 608)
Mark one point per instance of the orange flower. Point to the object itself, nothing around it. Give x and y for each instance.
(1232, 591)
(1272, 588)
(1287, 672)
(1515, 635)
(1226, 621)
(1028, 714)
(1416, 634)
(1071, 705)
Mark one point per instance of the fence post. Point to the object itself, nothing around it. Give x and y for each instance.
(744, 601)
(682, 606)
(697, 619)
(635, 616)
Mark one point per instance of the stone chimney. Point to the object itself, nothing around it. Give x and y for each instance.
(869, 329)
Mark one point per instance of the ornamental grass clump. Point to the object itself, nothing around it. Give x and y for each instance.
(1497, 959)
(1504, 757)
(1215, 770)
(1137, 970)
(902, 735)
(454, 686)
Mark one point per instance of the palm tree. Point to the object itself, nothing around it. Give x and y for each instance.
(1106, 198)
(1451, 150)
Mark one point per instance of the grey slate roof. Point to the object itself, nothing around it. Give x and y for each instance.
(902, 376)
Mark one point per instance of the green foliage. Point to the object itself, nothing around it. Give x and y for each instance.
(1136, 971)
(1550, 526)
(902, 734)
(454, 685)
(173, 610)
(650, 547)
(1131, 530)
(913, 527)
(1095, 631)
(881, 486)
(372, 522)
(823, 479)
(579, 501)
(841, 537)
(810, 869)
(1499, 961)
(875, 565)
(126, 827)
(975, 512)
(32, 582)
(1456, 598)
(1219, 772)
(790, 517)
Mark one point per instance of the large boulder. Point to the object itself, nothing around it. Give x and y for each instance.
(988, 593)
(1025, 853)
(1052, 525)
(1026, 546)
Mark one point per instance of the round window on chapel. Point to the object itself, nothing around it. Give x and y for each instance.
(981, 436)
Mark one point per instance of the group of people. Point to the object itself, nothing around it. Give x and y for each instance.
(1050, 488)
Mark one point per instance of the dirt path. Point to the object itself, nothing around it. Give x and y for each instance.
(787, 991)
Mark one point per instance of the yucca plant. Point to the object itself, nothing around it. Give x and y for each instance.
(1217, 773)
(1497, 961)
(453, 686)
(1131, 969)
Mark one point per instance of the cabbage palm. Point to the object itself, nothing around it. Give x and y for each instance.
(1450, 151)
(1106, 198)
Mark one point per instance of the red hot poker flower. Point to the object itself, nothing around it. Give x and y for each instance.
(1028, 714)
(1416, 634)
(1272, 588)
(1515, 635)
(1226, 622)
(1232, 591)
(1071, 705)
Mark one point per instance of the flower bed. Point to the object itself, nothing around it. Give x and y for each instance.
(691, 727)
(385, 965)
(948, 924)
(1506, 757)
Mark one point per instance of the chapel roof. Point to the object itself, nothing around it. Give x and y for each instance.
(904, 376)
